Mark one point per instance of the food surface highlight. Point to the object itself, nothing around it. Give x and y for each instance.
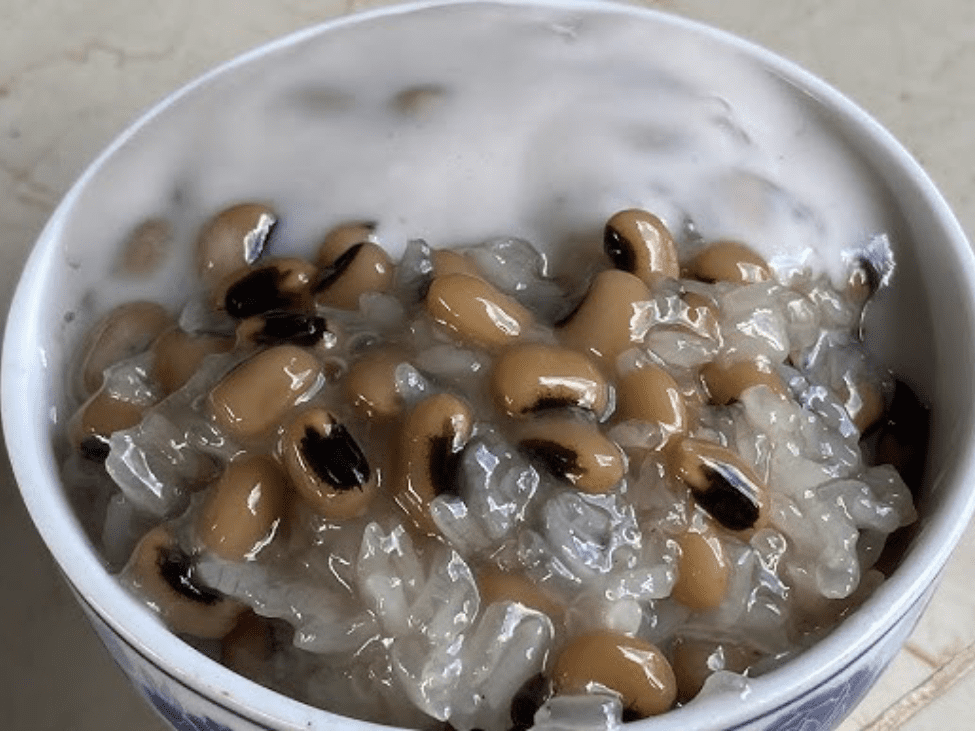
(453, 491)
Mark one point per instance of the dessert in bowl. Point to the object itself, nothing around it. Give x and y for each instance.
(458, 124)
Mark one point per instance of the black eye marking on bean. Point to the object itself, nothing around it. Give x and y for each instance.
(296, 328)
(255, 293)
(546, 403)
(176, 568)
(729, 497)
(526, 702)
(94, 448)
(336, 269)
(619, 250)
(558, 459)
(335, 458)
(444, 464)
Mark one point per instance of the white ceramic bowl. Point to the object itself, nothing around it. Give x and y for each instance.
(534, 119)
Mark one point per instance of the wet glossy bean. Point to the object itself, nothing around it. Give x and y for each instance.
(702, 569)
(726, 381)
(649, 393)
(694, 659)
(233, 238)
(288, 327)
(98, 418)
(178, 354)
(602, 324)
(242, 512)
(446, 262)
(574, 451)
(370, 385)
(363, 267)
(632, 667)
(534, 377)
(476, 311)
(327, 466)
(639, 243)
(432, 439)
(722, 484)
(276, 284)
(124, 332)
(495, 585)
(729, 261)
(343, 237)
(255, 396)
(161, 572)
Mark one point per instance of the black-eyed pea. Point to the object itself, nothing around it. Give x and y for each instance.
(603, 324)
(343, 237)
(649, 393)
(125, 331)
(327, 466)
(721, 483)
(97, 419)
(370, 385)
(363, 267)
(639, 243)
(703, 313)
(475, 311)
(533, 377)
(288, 327)
(694, 659)
(274, 285)
(573, 451)
(729, 261)
(163, 574)
(495, 585)
(702, 569)
(233, 238)
(254, 397)
(242, 511)
(432, 438)
(177, 354)
(446, 262)
(726, 381)
(634, 668)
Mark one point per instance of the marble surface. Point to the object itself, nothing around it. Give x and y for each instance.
(72, 75)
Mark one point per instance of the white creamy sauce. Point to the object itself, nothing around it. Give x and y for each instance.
(535, 124)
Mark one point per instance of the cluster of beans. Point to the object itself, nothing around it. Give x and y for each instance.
(554, 388)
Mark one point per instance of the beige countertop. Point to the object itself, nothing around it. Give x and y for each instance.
(73, 74)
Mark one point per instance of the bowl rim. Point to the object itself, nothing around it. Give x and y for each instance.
(24, 367)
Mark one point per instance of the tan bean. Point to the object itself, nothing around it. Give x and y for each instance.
(431, 442)
(124, 332)
(639, 243)
(241, 513)
(476, 311)
(632, 667)
(602, 325)
(343, 237)
(256, 395)
(702, 569)
(364, 267)
(370, 385)
(695, 659)
(162, 573)
(721, 483)
(277, 284)
(574, 451)
(233, 238)
(730, 261)
(533, 377)
(725, 382)
(327, 466)
(495, 585)
(98, 418)
(649, 393)
(178, 354)
(703, 314)
(446, 262)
